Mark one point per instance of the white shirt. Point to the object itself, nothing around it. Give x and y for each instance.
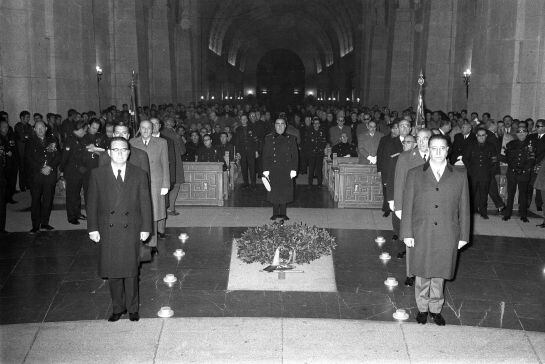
(438, 170)
(115, 169)
(401, 138)
(425, 155)
(539, 136)
(146, 142)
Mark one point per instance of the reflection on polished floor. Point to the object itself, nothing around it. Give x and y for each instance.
(52, 277)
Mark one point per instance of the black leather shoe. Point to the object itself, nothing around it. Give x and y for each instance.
(274, 217)
(541, 225)
(46, 227)
(134, 316)
(73, 221)
(506, 218)
(154, 251)
(485, 217)
(386, 214)
(539, 208)
(395, 237)
(82, 217)
(524, 219)
(161, 235)
(401, 255)
(422, 317)
(116, 316)
(409, 282)
(173, 213)
(34, 230)
(438, 319)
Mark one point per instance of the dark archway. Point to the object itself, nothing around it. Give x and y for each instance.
(280, 79)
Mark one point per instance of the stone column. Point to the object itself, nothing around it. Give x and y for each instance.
(402, 57)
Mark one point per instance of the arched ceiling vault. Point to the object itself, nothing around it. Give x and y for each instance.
(319, 30)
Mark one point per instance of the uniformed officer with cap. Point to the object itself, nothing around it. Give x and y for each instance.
(43, 156)
(74, 168)
(280, 160)
(481, 161)
(520, 158)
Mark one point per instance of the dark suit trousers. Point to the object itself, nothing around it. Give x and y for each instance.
(514, 181)
(479, 195)
(73, 196)
(279, 209)
(11, 178)
(124, 293)
(42, 192)
(247, 165)
(385, 206)
(315, 168)
(494, 193)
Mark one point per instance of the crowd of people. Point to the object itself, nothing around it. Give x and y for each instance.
(36, 152)
(87, 151)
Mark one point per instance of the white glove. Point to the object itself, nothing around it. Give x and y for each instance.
(266, 173)
(461, 244)
(293, 174)
(144, 235)
(459, 163)
(94, 236)
(391, 205)
(370, 159)
(256, 154)
(398, 214)
(164, 191)
(409, 242)
(373, 160)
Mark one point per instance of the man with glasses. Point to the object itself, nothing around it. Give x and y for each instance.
(481, 162)
(520, 158)
(137, 157)
(434, 226)
(119, 218)
(539, 140)
(336, 131)
(407, 160)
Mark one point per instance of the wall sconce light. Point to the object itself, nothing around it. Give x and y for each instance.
(467, 80)
(99, 77)
(202, 97)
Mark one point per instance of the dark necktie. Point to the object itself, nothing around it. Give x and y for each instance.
(425, 157)
(119, 179)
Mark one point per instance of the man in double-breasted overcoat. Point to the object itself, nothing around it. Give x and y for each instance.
(434, 225)
(280, 160)
(119, 218)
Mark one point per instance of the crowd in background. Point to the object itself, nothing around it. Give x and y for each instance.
(36, 152)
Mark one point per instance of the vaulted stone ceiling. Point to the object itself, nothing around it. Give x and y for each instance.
(319, 31)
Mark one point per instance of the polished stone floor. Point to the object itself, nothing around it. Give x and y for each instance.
(52, 277)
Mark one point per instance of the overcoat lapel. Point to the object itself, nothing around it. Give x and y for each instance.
(110, 184)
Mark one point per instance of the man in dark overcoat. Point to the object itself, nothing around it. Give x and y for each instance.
(280, 161)
(391, 152)
(434, 225)
(119, 217)
(481, 161)
(407, 161)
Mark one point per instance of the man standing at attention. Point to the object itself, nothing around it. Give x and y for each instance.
(157, 150)
(280, 161)
(407, 161)
(434, 225)
(119, 218)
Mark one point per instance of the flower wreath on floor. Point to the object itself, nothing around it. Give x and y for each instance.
(296, 243)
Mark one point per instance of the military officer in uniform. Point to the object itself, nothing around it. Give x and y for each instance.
(481, 162)
(280, 161)
(74, 167)
(520, 158)
(246, 147)
(313, 150)
(43, 156)
(23, 133)
(11, 155)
